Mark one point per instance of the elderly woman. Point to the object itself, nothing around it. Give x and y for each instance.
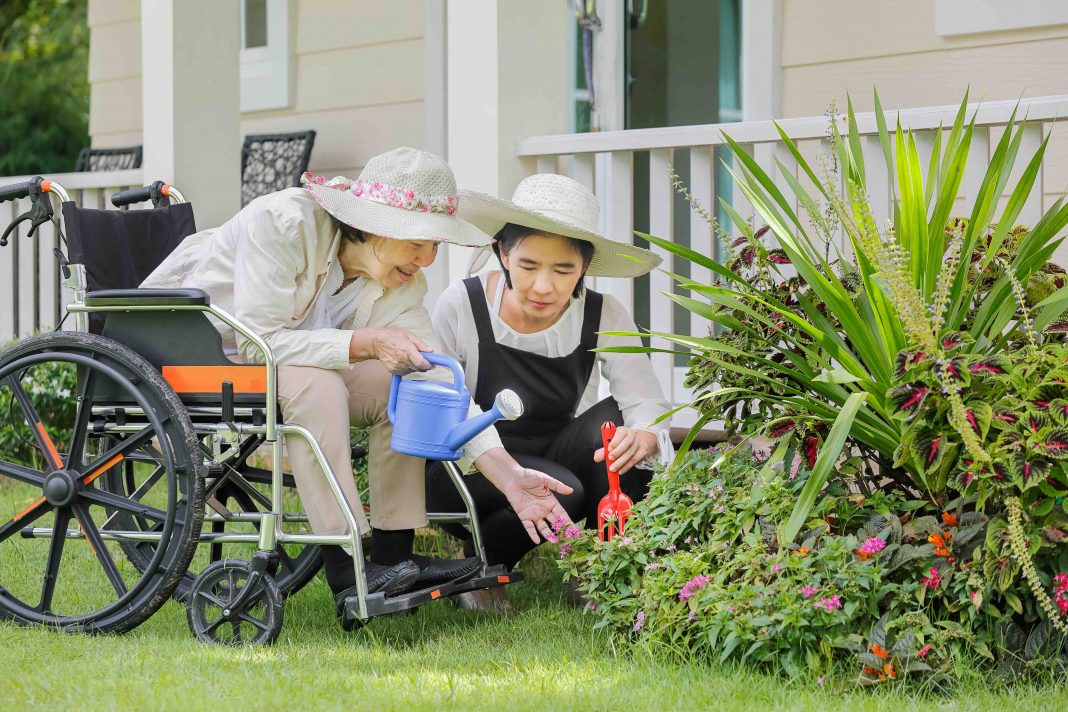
(330, 277)
(532, 327)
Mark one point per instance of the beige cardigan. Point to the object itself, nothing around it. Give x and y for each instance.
(266, 266)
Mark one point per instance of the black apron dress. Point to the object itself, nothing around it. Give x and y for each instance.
(551, 387)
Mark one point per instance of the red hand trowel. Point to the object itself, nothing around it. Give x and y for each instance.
(614, 509)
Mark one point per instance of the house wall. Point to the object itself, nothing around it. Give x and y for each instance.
(834, 47)
(358, 79)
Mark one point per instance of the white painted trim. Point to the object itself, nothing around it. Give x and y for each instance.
(609, 68)
(964, 17)
(267, 72)
(435, 78)
(993, 113)
(761, 59)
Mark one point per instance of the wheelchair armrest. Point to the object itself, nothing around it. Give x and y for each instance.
(147, 297)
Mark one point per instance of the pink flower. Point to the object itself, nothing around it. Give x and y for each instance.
(565, 550)
(870, 548)
(934, 579)
(652, 566)
(830, 603)
(819, 681)
(924, 650)
(559, 524)
(591, 606)
(1060, 582)
(776, 569)
(691, 587)
(810, 591)
(357, 191)
(409, 194)
(639, 621)
(571, 532)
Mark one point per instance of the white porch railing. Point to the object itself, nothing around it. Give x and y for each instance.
(32, 294)
(605, 162)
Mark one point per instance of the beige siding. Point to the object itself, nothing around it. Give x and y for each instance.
(834, 47)
(358, 76)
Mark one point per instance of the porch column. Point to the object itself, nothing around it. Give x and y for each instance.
(190, 90)
(507, 79)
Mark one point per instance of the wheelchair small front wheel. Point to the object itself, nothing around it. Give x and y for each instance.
(219, 611)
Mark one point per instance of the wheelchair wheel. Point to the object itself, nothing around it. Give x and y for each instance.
(79, 405)
(214, 617)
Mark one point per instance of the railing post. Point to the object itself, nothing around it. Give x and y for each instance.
(702, 237)
(617, 208)
(662, 224)
(1031, 141)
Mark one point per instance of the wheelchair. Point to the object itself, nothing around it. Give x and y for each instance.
(136, 439)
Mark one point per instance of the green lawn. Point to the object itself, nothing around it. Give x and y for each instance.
(544, 655)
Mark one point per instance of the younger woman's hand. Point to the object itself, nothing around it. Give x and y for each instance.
(629, 447)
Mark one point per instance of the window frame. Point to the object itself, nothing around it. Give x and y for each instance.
(267, 72)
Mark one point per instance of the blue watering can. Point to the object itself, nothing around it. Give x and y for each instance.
(428, 416)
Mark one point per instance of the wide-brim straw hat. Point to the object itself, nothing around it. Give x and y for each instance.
(561, 206)
(404, 194)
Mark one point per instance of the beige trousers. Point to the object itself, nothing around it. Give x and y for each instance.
(326, 402)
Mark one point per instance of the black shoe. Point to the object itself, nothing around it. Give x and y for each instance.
(434, 572)
(391, 580)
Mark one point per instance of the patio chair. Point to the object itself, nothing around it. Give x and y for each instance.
(271, 162)
(108, 159)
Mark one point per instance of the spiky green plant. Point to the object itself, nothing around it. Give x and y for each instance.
(836, 341)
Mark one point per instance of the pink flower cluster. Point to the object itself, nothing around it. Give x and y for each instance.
(810, 591)
(933, 580)
(829, 603)
(872, 546)
(639, 621)
(691, 587)
(386, 194)
(1060, 587)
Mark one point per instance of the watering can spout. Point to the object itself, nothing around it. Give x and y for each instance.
(506, 405)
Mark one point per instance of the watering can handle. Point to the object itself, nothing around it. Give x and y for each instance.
(391, 404)
(436, 359)
(449, 363)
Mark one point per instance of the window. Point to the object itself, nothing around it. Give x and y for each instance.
(266, 55)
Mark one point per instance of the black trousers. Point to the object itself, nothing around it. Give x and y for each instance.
(566, 455)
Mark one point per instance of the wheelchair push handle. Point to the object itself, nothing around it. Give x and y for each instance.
(159, 193)
(38, 190)
(18, 190)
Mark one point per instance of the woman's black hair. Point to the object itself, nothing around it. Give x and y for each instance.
(511, 235)
(350, 233)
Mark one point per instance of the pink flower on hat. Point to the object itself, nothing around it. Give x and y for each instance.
(409, 194)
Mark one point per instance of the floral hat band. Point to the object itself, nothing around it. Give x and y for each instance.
(394, 196)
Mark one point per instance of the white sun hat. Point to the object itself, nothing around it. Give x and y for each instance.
(561, 206)
(404, 194)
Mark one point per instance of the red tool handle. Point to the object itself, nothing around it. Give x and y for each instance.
(608, 431)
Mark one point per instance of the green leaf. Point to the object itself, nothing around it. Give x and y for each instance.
(838, 375)
(832, 448)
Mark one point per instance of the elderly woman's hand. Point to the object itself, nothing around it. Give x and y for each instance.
(629, 447)
(400, 351)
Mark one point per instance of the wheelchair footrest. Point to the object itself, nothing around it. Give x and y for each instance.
(378, 604)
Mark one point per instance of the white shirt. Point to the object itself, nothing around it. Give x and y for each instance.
(630, 377)
(335, 305)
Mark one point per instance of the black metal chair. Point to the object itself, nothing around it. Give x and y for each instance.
(108, 159)
(271, 162)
